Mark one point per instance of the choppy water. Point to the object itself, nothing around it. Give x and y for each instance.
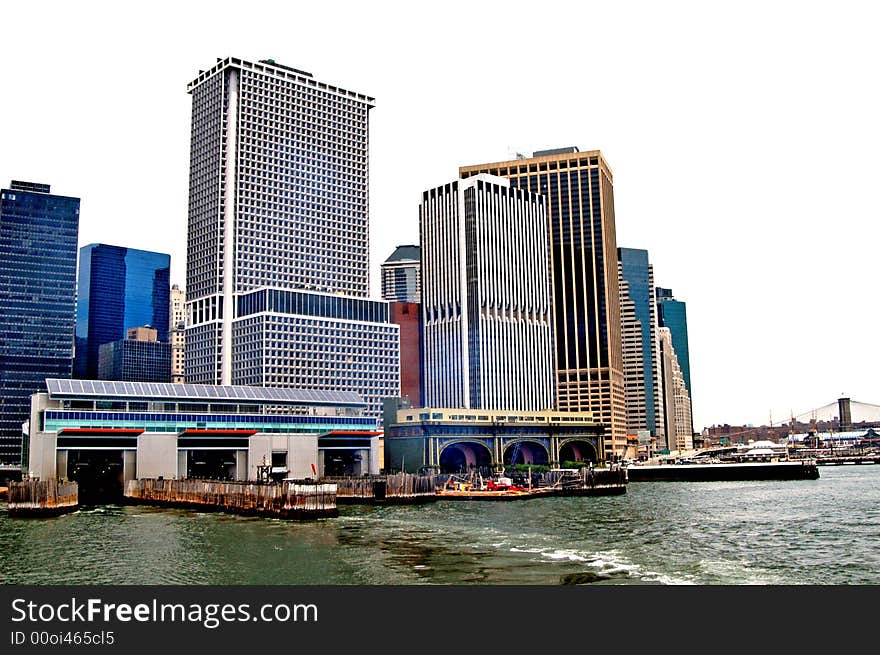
(824, 531)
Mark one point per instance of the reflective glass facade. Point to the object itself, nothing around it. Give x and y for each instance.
(637, 272)
(672, 314)
(135, 361)
(118, 288)
(38, 239)
(176, 422)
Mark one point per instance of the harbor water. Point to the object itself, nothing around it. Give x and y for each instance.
(821, 532)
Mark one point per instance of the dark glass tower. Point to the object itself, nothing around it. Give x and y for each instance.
(672, 314)
(119, 288)
(638, 273)
(38, 236)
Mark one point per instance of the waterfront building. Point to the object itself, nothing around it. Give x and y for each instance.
(140, 357)
(103, 434)
(408, 316)
(672, 314)
(586, 306)
(644, 406)
(177, 333)
(38, 239)
(118, 288)
(278, 241)
(401, 275)
(455, 440)
(677, 409)
(486, 310)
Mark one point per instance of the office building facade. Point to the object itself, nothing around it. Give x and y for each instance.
(401, 275)
(486, 307)
(38, 240)
(672, 314)
(279, 202)
(177, 333)
(586, 305)
(408, 316)
(118, 288)
(140, 357)
(633, 363)
(677, 402)
(644, 405)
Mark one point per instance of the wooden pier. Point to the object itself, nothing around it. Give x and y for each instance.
(36, 498)
(288, 499)
(392, 489)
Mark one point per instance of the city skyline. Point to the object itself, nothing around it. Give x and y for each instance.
(710, 122)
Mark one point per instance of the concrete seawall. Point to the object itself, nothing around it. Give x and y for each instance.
(289, 500)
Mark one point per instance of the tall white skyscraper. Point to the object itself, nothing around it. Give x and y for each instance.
(487, 313)
(278, 243)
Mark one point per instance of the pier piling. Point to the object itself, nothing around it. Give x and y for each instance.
(36, 498)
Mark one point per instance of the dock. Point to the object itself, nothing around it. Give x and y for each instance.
(599, 482)
(823, 460)
(797, 470)
(39, 498)
(392, 489)
(288, 499)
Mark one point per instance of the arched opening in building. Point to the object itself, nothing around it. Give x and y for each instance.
(526, 452)
(211, 465)
(98, 475)
(577, 451)
(465, 457)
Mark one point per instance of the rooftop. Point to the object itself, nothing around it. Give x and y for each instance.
(62, 388)
(405, 253)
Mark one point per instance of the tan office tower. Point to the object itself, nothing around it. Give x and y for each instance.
(586, 303)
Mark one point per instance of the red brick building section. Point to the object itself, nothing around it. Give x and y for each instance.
(408, 316)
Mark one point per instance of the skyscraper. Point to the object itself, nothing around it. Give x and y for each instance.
(38, 237)
(401, 275)
(672, 314)
(140, 357)
(119, 288)
(586, 306)
(278, 241)
(487, 317)
(677, 403)
(633, 363)
(644, 406)
(177, 333)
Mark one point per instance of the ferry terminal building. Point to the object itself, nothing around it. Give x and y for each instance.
(103, 433)
(461, 440)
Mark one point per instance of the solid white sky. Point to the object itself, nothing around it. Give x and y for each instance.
(743, 142)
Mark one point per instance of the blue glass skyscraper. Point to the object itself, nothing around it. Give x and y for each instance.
(119, 288)
(672, 314)
(38, 236)
(638, 273)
